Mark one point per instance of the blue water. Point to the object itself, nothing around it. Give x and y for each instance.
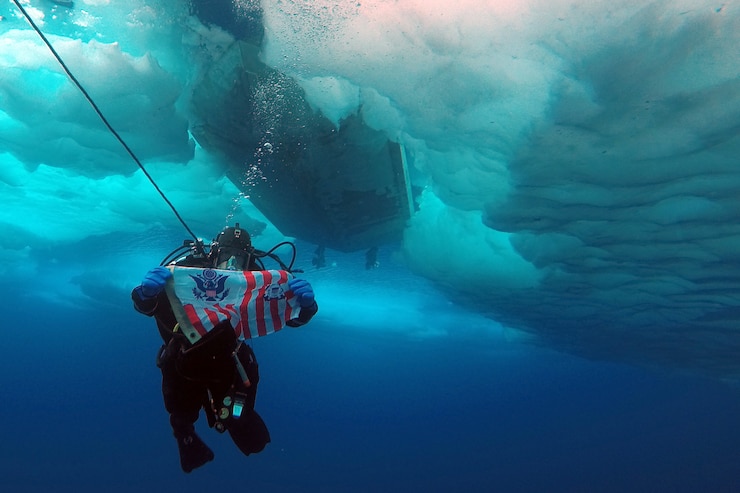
(355, 411)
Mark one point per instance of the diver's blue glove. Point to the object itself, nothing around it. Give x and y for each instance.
(154, 282)
(303, 291)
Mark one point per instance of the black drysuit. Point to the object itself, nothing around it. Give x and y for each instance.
(203, 374)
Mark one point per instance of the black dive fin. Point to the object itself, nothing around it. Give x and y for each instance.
(193, 451)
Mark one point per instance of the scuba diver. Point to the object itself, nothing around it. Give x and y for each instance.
(205, 363)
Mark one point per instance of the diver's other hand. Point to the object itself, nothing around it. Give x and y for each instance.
(154, 282)
(303, 291)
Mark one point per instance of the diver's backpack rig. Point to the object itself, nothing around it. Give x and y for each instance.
(233, 241)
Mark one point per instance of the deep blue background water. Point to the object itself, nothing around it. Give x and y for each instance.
(355, 411)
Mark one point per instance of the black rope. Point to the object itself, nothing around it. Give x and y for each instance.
(100, 114)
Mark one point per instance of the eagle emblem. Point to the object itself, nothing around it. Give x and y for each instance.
(210, 286)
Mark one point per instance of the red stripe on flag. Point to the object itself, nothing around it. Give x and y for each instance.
(261, 327)
(212, 316)
(246, 304)
(194, 319)
(229, 312)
